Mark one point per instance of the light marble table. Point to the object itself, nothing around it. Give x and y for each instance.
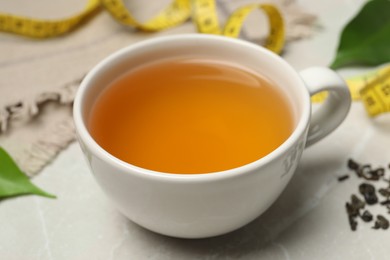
(308, 221)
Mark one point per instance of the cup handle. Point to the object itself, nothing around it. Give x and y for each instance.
(333, 111)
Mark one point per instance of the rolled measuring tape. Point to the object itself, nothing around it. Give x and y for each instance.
(373, 89)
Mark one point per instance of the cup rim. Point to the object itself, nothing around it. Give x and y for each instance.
(104, 155)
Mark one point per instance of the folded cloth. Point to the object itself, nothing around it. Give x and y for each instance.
(39, 78)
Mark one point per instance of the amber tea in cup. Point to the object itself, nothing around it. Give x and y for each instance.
(200, 103)
(191, 116)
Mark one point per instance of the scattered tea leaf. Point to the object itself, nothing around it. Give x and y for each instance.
(343, 177)
(365, 40)
(351, 210)
(384, 192)
(364, 171)
(352, 165)
(352, 222)
(381, 222)
(367, 216)
(13, 182)
(368, 191)
(375, 175)
(379, 171)
(356, 202)
(385, 202)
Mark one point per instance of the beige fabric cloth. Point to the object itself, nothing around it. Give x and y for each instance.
(39, 78)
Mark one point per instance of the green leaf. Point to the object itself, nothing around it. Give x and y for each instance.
(365, 40)
(13, 182)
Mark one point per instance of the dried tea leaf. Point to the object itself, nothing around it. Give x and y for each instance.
(374, 175)
(379, 171)
(343, 177)
(368, 191)
(364, 170)
(366, 216)
(352, 165)
(351, 210)
(356, 202)
(381, 222)
(352, 222)
(385, 202)
(384, 192)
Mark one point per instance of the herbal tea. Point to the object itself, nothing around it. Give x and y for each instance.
(191, 116)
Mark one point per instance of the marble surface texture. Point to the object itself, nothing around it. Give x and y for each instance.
(308, 221)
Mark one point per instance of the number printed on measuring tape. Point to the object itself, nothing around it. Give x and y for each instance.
(376, 93)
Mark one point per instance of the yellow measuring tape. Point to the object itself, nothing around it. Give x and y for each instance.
(373, 89)
(203, 13)
(376, 91)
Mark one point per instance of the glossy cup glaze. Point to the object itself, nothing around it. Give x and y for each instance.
(204, 205)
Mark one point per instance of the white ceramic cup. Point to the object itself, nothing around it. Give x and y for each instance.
(204, 205)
